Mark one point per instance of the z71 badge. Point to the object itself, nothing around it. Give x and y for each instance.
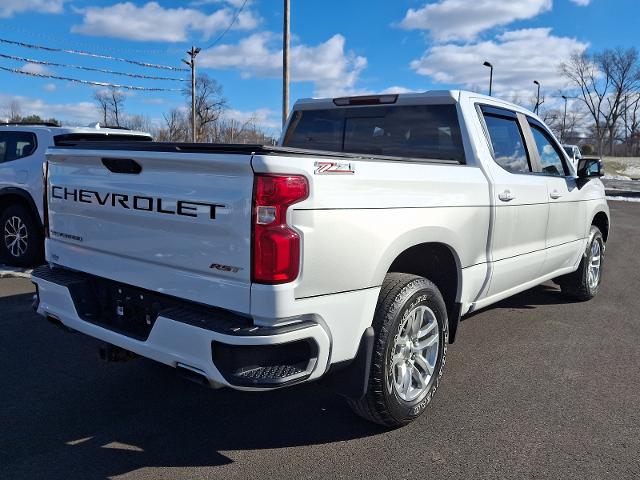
(328, 168)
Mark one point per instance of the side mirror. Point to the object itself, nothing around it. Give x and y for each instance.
(590, 168)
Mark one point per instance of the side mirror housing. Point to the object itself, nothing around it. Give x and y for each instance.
(590, 168)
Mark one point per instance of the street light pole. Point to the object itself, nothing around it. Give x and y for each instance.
(538, 97)
(192, 64)
(564, 118)
(487, 64)
(285, 62)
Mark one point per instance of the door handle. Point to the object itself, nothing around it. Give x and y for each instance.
(555, 194)
(506, 196)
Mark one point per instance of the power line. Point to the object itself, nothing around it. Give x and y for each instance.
(89, 82)
(94, 55)
(91, 69)
(233, 21)
(136, 51)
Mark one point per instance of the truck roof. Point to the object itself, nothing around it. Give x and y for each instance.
(58, 130)
(418, 98)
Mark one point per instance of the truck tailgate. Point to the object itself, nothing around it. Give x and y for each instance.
(175, 223)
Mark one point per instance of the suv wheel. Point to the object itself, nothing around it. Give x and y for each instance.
(409, 351)
(21, 243)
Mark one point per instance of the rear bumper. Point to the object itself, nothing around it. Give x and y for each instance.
(227, 350)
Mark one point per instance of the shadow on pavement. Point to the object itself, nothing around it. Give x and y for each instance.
(546, 294)
(66, 414)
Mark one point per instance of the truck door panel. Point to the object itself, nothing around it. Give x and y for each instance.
(567, 207)
(520, 205)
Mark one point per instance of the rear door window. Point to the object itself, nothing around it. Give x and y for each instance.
(508, 143)
(420, 131)
(15, 145)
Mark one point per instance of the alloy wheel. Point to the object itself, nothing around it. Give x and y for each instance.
(16, 236)
(415, 353)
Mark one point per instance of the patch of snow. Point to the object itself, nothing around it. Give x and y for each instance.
(633, 171)
(623, 199)
(11, 272)
(615, 177)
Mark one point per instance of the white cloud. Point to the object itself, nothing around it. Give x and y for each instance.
(154, 101)
(262, 117)
(233, 3)
(50, 87)
(399, 89)
(581, 3)
(10, 7)
(152, 22)
(333, 70)
(465, 19)
(35, 68)
(518, 57)
(80, 113)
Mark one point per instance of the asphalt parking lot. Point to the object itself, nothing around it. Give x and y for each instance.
(534, 387)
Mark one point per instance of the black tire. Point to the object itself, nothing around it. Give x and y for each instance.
(576, 285)
(401, 293)
(30, 251)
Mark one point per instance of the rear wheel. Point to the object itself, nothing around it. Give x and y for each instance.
(22, 240)
(409, 351)
(584, 283)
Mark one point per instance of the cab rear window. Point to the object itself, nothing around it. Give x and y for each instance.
(420, 131)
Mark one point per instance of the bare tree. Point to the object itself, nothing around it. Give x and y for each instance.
(581, 70)
(110, 102)
(13, 111)
(604, 80)
(116, 100)
(101, 98)
(210, 104)
(176, 127)
(139, 122)
(623, 69)
(632, 123)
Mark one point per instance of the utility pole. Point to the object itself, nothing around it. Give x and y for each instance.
(285, 62)
(564, 118)
(192, 64)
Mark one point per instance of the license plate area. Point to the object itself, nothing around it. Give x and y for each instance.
(121, 308)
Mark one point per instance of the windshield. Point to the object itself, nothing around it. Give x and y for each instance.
(420, 131)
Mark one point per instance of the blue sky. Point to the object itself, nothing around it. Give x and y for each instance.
(339, 47)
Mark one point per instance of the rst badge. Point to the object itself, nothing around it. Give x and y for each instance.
(330, 168)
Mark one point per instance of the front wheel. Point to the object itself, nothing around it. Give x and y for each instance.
(584, 283)
(411, 328)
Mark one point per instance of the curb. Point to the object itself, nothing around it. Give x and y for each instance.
(623, 193)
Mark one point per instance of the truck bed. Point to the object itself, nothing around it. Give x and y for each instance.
(231, 148)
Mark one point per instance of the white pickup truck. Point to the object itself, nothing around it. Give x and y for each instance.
(349, 252)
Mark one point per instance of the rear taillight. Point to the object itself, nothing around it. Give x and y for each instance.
(276, 246)
(45, 200)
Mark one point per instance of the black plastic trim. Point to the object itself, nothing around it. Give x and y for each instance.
(235, 149)
(454, 313)
(26, 196)
(232, 361)
(122, 165)
(191, 313)
(351, 378)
